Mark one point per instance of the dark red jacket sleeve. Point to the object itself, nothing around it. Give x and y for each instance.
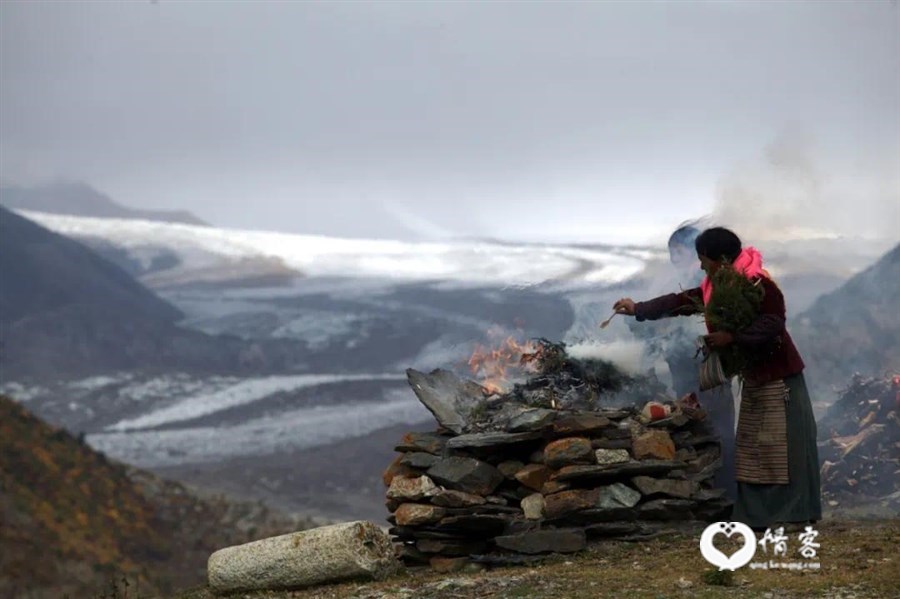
(673, 304)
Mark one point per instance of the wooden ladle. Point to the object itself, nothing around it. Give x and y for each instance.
(606, 322)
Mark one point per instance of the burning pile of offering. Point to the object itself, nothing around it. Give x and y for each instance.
(859, 443)
(543, 466)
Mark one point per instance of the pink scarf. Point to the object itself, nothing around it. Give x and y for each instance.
(748, 262)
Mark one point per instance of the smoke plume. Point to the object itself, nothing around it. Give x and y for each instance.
(796, 191)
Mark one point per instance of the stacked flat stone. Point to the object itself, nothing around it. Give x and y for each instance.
(547, 483)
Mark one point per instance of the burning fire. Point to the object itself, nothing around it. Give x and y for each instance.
(495, 368)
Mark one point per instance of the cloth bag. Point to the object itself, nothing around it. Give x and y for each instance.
(712, 374)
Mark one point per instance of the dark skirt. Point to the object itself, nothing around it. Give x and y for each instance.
(763, 506)
(718, 403)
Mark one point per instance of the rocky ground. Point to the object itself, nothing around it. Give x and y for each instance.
(858, 560)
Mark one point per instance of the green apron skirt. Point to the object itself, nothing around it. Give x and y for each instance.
(777, 461)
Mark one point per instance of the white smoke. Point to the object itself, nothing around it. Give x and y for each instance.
(627, 355)
(796, 191)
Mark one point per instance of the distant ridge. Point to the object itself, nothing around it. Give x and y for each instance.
(43, 272)
(76, 198)
(855, 328)
(65, 310)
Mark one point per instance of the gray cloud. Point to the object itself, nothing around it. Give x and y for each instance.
(379, 119)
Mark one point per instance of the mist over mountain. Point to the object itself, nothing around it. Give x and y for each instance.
(80, 199)
(64, 310)
(44, 272)
(855, 328)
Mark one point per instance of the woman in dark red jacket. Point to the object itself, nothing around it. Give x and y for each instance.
(776, 459)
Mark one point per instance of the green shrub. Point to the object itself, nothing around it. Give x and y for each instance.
(733, 306)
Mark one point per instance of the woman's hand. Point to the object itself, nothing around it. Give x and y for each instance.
(624, 306)
(719, 339)
(689, 401)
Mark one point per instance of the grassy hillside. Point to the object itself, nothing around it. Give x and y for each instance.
(71, 520)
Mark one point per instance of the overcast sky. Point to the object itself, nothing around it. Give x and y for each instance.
(607, 121)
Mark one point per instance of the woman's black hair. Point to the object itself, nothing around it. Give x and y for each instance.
(718, 243)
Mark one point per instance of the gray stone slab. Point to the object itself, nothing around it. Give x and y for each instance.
(466, 474)
(534, 419)
(450, 398)
(432, 443)
(632, 468)
(648, 485)
(419, 459)
(545, 541)
(617, 495)
(666, 509)
(451, 498)
(487, 440)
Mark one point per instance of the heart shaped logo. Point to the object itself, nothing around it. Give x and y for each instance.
(736, 560)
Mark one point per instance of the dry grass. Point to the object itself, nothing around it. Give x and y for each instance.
(858, 559)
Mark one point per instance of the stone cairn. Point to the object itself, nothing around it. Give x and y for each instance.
(502, 480)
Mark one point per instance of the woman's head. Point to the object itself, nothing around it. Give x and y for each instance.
(681, 245)
(715, 246)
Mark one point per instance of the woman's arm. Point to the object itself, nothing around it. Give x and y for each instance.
(672, 304)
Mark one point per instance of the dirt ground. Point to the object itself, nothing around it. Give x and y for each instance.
(858, 559)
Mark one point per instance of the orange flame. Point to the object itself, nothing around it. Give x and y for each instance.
(494, 368)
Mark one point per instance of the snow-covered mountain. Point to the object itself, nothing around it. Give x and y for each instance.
(166, 255)
(81, 199)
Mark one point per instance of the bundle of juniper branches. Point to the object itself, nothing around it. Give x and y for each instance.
(733, 306)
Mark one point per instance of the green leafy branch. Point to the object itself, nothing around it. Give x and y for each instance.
(733, 306)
